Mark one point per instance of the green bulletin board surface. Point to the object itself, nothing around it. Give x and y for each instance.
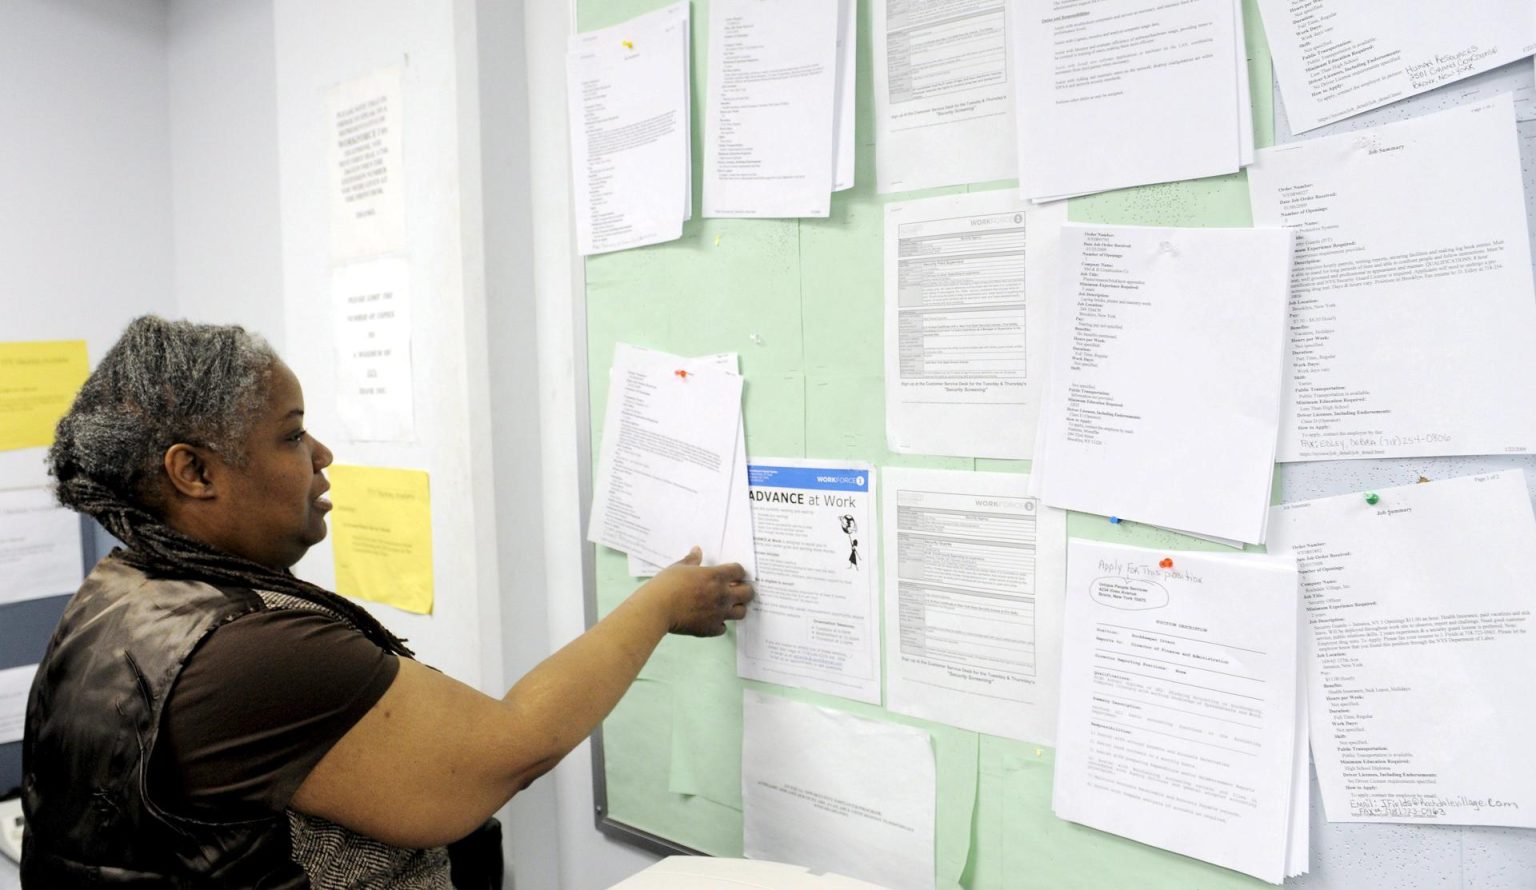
(801, 301)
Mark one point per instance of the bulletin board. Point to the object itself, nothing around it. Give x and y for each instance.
(801, 302)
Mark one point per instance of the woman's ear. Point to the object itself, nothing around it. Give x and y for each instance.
(187, 469)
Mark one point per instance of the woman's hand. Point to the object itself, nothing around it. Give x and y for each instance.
(697, 600)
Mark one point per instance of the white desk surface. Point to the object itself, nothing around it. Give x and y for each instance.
(710, 873)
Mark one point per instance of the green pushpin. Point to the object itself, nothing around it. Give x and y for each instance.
(1372, 498)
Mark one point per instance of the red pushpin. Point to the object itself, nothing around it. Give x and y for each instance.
(681, 374)
(1167, 563)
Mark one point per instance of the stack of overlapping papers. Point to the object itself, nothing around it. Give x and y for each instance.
(1183, 721)
(1163, 399)
(631, 161)
(1122, 93)
(672, 470)
(778, 128)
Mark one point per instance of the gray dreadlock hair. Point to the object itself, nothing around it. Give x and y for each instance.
(163, 383)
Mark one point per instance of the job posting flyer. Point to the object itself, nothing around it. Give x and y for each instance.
(814, 621)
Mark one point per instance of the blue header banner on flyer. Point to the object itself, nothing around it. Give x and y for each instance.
(808, 478)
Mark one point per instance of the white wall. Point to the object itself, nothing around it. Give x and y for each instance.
(226, 249)
(85, 208)
(531, 823)
(318, 46)
(588, 859)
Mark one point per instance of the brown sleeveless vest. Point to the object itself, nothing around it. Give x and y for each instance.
(92, 721)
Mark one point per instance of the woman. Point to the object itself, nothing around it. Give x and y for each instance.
(202, 717)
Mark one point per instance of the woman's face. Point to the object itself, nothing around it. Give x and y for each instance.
(274, 502)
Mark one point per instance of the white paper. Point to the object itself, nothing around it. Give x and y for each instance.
(667, 458)
(1244, 87)
(843, 97)
(736, 543)
(371, 310)
(1178, 702)
(1298, 842)
(628, 92)
(15, 685)
(367, 165)
(965, 325)
(834, 792)
(814, 623)
(973, 580)
(1164, 392)
(1335, 58)
(768, 143)
(1124, 93)
(40, 548)
(943, 94)
(1411, 307)
(1421, 668)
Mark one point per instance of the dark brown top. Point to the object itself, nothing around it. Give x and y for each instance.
(259, 703)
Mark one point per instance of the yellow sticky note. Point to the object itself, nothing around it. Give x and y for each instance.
(381, 536)
(38, 382)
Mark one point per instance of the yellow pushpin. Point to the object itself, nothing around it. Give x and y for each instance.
(717, 240)
(1423, 479)
(1038, 752)
(628, 44)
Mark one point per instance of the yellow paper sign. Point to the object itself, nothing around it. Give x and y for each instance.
(38, 382)
(381, 536)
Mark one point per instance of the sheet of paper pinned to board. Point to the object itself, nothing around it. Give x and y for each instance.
(966, 312)
(1126, 93)
(367, 164)
(973, 586)
(15, 685)
(1419, 654)
(1126, 431)
(1178, 702)
(769, 145)
(835, 792)
(1320, 50)
(667, 460)
(38, 382)
(629, 113)
(736, 541)
(814, 623)
(1411, 301)
(371, 310)
(381, 536)
(40, 546)
(944, 101)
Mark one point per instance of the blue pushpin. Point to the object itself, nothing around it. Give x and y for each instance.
(1114, 520)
